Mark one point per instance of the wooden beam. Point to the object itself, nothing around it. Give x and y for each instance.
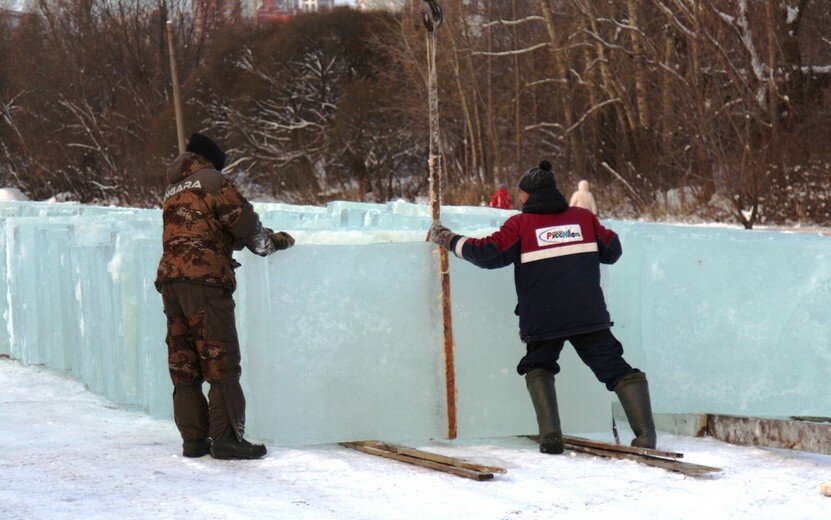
(435, 457)
(432, 20)
(446, 468)
(578, 441)
(174, 79)
(678, 466)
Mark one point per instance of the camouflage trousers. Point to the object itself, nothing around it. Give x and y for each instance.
(202, 345)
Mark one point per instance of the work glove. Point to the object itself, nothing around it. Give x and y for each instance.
(441, 235)
(281, 240)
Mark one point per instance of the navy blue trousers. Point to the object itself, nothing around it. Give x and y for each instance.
(599, 350)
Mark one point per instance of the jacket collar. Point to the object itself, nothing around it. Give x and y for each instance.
(546, 200)
(185, 165)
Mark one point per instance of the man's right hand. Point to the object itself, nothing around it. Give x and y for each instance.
(441, 235)
(281, 240)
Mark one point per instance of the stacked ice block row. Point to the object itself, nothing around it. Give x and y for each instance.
(75, 300)
(341, 335)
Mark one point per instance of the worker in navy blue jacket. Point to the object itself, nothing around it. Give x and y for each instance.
(556, 252)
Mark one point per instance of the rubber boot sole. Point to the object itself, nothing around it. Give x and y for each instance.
(552, 444)
(237, 455)
(195, 454)
(196, 449)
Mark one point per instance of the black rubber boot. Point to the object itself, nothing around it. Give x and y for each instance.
(633, 392)
(196, 448)
(227, 446)
(540, 385)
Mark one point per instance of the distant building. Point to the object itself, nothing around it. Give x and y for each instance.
(273, 11)
(282, 10)
(380, 5)
(308, 6)
(248, 8)
(13, 17)
(208, 14)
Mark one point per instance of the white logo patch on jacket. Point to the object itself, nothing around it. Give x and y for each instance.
(187, 185)
(559, 235)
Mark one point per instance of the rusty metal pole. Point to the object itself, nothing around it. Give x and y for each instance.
(174, 79)
(432, 15)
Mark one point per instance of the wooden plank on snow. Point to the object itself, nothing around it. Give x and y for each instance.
(447, 468)
(579, 441)
(435, 457)
(678, 466)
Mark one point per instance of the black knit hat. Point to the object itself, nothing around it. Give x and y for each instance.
(538, 178)
(208, 149)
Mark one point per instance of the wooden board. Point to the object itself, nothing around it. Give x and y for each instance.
(425, 459)
(667, 460)
(811, 418)
(677, 466)
(579, 441)
(435, 457)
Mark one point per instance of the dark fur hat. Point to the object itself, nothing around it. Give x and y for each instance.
(208, 149)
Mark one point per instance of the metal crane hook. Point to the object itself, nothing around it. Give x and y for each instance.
(431, 14)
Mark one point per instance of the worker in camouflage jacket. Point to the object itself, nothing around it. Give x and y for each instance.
(556, 252)
(205, 220)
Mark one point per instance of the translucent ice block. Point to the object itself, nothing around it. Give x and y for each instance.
(341, 342)
(492, 397)
(39, 290)
(727, 320)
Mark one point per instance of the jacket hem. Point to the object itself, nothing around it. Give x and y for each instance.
(567, 333)
(159, 284)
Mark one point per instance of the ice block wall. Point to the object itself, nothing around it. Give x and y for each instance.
(341, 335)
(726, 320)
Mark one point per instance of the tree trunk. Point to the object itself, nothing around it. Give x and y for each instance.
(624, 109)
(565, 95)
(773, 91)
(493, 133)
(667, 119)
(518, 131)
(641, 90)
(481, 171)
(463, 98)
(795, 87)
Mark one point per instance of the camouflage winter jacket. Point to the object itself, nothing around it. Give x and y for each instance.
(205, 220)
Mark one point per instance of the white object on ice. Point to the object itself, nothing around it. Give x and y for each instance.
(12, 194)
(583, 198)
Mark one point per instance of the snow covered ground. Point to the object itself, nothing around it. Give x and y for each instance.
(66, 453)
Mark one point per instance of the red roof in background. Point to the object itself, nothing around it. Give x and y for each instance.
(273, 11)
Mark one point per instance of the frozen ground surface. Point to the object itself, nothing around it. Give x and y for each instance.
(66, 453)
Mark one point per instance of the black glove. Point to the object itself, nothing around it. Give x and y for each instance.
(441, 235)
(281, 240)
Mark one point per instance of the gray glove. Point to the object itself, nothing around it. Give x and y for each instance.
(281, 240)
(441, 235)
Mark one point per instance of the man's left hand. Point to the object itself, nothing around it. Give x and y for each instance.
(281, 240)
